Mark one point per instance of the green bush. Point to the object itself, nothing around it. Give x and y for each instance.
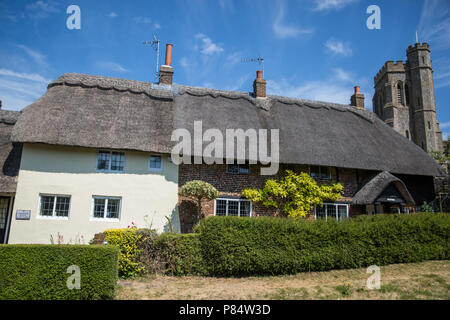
(127, 241)
(232, 246)
(34, 272)
(180, 253)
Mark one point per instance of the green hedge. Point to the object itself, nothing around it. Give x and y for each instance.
(40, 271)
(181, 253)
(232, 246)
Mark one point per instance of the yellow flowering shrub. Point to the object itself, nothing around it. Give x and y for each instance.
(127, 241)
(295, 195)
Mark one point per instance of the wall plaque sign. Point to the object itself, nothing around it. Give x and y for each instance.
(23, 214)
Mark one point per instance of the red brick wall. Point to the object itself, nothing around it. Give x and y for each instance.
(232, 185)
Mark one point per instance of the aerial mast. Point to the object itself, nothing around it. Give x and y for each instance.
(155, 45)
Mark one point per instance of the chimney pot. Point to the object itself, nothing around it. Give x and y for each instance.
(168, 54)
(166, 70)
(259, 74)
(259, 85)
(357, 99)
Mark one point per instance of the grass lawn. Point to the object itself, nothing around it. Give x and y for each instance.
(426, 280)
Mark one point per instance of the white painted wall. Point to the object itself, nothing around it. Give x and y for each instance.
(71, 171)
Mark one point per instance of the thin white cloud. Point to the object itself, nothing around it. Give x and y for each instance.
(184, 62)
(208, 47)
(112, 15)
(239, 83)
(434, 23)
(444, 125)
(282, 30)
(337, 88)
(143, 20)
(111, 66)
(38, 57)
(157, 26)
(324, 5)
(26, 76)
(338, 47)
(18, 89)
(42, 9)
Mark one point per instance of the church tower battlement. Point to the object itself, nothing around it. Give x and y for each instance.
(404, 98)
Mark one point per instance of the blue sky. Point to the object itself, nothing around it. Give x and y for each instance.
(313, 49)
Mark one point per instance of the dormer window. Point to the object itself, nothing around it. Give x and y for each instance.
(110, 161)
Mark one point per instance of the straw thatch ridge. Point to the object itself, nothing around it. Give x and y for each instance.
(102, 112)
(10, 153)
(373, 188)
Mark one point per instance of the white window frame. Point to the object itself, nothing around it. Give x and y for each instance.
(110, 162)
(239, 206)
(336, 204)
(156, 169)
(53, 217)
(106, 198)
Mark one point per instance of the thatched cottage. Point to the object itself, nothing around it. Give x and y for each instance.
(97, 155)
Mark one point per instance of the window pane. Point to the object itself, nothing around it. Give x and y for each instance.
(245, 209)
(117, 161)
(331, 211)
(315, 171)
(155, 162)
(221, 207)
(244, 168)
(113, 208)
(324, 172)
(103, 160)
(62, 206)
(233, 206)
(232, 168)
(320, 212)
(342, 210)
(99, 208)
(47, 205)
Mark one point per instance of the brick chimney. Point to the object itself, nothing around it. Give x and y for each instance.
(259, 85)
(166, 70)
(357, 99)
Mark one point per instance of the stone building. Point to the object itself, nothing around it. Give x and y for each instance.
(404, 98)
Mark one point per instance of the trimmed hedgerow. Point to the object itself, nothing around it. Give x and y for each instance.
(35, 272)
(232, 246)
(180, 253)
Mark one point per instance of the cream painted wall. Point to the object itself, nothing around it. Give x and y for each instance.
(147, 197)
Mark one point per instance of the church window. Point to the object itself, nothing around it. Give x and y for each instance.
(407, 134)
(399, 94)
(407, 94)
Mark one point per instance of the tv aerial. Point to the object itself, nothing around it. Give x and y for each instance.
(155, 45)
(259, 59)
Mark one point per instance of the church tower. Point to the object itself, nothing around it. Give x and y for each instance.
(404, 98)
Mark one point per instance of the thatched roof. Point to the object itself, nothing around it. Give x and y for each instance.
(10, 153)
(373, 188)
(101, 112)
